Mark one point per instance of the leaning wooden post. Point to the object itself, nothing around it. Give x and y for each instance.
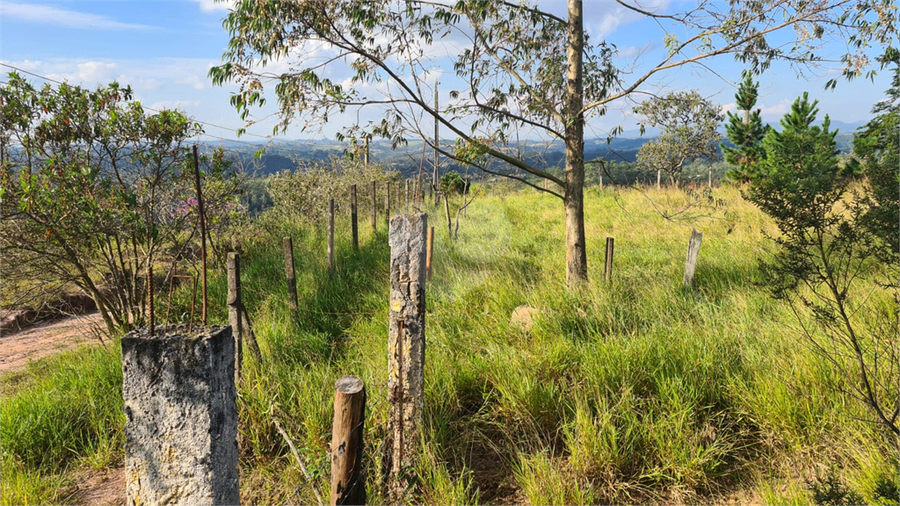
(233, 266)
(288, 245)
(181, 421)
(406, 350)
(406, 193)
(348, 484)
(354, 227)
(331, 233)
(691, 263)
(609, 257)
(428, 254)
(374, 207)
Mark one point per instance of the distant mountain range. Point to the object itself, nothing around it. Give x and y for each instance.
(285, 154)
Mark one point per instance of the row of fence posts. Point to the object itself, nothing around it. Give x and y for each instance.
(180, 391)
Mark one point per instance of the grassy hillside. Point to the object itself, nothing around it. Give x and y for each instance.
(633, 391)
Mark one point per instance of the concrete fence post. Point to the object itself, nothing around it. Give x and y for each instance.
(406, 350)
(181, 416)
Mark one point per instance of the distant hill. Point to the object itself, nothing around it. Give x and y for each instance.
(285, 154)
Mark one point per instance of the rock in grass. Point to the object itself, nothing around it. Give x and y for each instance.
(523, 317)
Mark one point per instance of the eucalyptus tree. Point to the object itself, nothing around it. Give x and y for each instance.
(525, 69)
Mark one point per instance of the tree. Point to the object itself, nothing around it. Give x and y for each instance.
(454, 184)
(689, 124)
(525, 70)
(824, 249)
(746, 133)
(877, 145)
(92, 189)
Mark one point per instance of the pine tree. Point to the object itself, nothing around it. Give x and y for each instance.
(877, 145)
(798, 180)
(825, 247)
(746, 133)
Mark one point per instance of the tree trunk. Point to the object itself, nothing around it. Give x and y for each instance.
(576, 256)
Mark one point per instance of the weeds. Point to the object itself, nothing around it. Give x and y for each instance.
(625, 392)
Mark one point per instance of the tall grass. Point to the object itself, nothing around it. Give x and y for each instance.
(631, 391)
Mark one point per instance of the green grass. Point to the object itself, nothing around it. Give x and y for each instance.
(631, 391)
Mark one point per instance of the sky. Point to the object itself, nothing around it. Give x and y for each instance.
(165, 48)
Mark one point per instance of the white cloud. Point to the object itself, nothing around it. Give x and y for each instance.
(604, 18)
(47, 15)
(174, 104)
(729, 107)
(95, 71)
(778, 109)
(194, 81)
(214, 6)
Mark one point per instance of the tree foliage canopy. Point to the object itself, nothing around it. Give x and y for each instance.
(824, 250)
(92, 188)
(746, 133)
(525, 72)
(511, 57)
(877, 145)
(689, 124)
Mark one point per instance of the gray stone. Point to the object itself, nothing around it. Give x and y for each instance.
(181, 416)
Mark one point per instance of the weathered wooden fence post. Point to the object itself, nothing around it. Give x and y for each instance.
(428, 254)
(331, 233)
(354, 227)
(348, 484)
(609, 258)
(233, 265)
(691, 263)
(406, 194)
(181, 417)
(406, 350)
(151, 317)
(601, 181)
(374, 207)
(447, 211)
(288, 245)
(387, 203)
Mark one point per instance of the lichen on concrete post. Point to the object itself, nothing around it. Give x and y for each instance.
(406, 348)
(181, 416)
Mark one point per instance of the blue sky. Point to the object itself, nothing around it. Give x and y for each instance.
(164, 49)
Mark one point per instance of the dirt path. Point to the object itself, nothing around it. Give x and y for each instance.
(32, 343)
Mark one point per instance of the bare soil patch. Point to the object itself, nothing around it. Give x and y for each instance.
(103, 487)
(17, 348)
